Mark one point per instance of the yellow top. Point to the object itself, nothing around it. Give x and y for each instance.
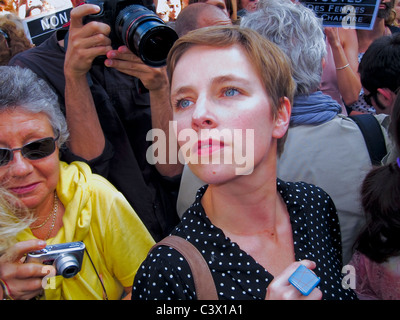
(100, 216)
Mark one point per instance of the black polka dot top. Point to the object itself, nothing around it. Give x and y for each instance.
(165, 274)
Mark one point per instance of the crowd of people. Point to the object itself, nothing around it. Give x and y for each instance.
(272, 118)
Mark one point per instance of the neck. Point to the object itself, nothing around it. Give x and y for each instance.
(49, 218)
(245, 206)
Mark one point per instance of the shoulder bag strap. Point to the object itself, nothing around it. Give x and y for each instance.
(203, 281)
(373, 136)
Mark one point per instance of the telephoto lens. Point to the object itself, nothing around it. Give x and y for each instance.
(145, 34)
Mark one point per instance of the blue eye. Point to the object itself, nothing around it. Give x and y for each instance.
(183, 103)
(230, 92)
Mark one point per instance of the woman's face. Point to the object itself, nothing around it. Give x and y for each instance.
(33, 181)
(225, 125)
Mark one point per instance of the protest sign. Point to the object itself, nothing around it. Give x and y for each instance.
(355, 14)
(40, 18)
(40, 27)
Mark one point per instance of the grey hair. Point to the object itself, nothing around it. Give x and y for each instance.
(298, 32)
(22, 88)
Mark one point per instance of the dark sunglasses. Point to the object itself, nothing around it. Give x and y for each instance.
(34, 150)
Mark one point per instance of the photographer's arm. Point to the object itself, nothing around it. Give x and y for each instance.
(85, 43)
(156, 81)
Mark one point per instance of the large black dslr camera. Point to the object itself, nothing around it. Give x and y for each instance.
(136, 25)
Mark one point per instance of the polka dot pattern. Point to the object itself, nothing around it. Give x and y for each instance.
(166, 275)
(362, 106)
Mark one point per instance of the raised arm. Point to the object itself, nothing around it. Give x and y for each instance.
(344, 46)
(85, 43)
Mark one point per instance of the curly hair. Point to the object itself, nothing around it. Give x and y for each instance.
(17, 40)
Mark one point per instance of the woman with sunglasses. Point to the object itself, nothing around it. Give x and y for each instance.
(69, 202)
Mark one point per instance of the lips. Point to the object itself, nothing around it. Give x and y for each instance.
(207, 147)
(383, 6)
(20, 190)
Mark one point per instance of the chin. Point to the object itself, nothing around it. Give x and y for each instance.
(215, 174)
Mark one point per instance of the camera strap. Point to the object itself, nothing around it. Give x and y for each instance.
(98, 276)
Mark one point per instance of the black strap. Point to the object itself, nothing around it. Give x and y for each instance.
(373, 136)
(203, 281)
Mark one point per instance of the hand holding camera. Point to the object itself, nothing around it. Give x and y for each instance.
(122, 30)
(135, 25)
(84, 42)
(23, 280)
(65, 257)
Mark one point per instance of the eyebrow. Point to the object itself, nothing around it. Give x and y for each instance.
(216, 81)
(231, 78)
(182, 91)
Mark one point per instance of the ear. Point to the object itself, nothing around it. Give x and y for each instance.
(282, 119)
(386, 97)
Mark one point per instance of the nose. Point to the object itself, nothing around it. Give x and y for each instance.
(203, 116)
(19, 166)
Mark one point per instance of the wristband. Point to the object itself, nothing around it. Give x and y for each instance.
(344, 67)
(6, 290)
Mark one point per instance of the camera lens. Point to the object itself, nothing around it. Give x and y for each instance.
(67, 265)
(145, 34)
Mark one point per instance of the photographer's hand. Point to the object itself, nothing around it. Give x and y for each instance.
(24, 280)
(85, 41)
(127, 62)
(281, 289)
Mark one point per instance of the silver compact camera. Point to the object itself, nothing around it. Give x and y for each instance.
(65, 257)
